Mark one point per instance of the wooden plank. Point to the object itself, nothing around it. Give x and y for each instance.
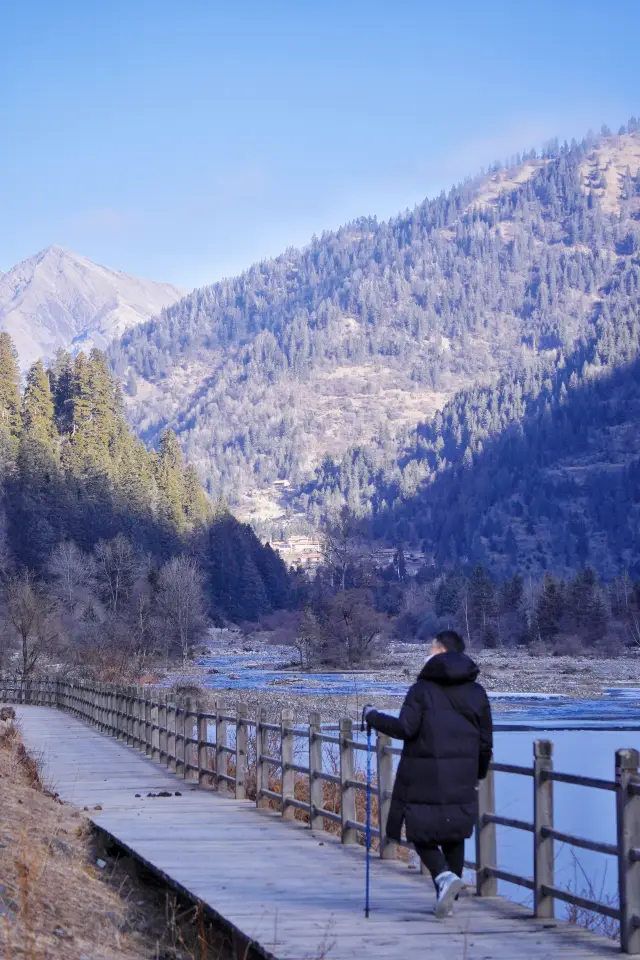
(297, 893)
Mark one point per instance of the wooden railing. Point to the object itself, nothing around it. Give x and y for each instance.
(177, 733)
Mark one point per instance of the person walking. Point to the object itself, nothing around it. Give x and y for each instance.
(445, 723)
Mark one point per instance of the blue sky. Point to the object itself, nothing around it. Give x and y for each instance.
(183, 141)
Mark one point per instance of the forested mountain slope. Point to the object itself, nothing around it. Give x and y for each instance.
(58, 299)
(540, 470)
(372, 329)
(74, 476)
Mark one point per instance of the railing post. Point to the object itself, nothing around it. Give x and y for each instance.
(388, 848)
(142, 719)
(192, 748)
(543, 862)
(183, 729)
(286, 756)
(203, 732)
(135, 716)
(316, 786)
(221, 755)
(486, 852)
(122, 699)
(124, 704)
(144, 733)
(116, 711)
(129, 704)
(155, 732)
(262, 769)
(148, 722)
(347, 793)
(184, 732)
(140, 716)
(121, 714)
(171, 735)
(628, 823)
(242, 743)
(163, 738)
(136, 712)
(105, 708)
(187, 732)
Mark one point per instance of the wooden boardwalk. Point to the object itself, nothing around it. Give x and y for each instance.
(295, 894)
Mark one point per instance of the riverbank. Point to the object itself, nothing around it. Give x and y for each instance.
(235, 667)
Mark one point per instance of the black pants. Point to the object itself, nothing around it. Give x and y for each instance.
(437, 859)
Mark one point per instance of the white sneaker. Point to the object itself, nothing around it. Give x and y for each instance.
(448, 886)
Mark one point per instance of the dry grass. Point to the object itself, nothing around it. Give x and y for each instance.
(330, 797)
(584, 886)
(507, 179)
(611, 158)
(55, 901)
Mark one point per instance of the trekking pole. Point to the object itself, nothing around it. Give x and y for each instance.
(368, 832)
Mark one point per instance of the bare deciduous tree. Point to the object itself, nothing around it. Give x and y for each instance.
(32, 613)
(344, 629)
(181, 603)
(342, 547)
(73, 575)
(116, 567)
(307, 637)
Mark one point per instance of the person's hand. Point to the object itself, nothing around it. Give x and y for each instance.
(366, 710)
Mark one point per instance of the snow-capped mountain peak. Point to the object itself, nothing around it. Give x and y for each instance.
(60, 299)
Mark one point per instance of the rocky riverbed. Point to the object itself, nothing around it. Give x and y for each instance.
(235, 667)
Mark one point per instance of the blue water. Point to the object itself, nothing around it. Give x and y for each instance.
(236, 675)
(581, 811)
(618, 709)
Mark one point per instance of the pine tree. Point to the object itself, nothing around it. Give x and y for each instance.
(511, 546)
(77, 457)
(272, 570)
(97, 414)
(106, 408)
(253, 598)
(482, 602)
(511, 594)
(399, 563)
(9, 398)
(170, 479)
(61, 377)
(550, 607)
(38, 407)
(448, 595)
(133, 472)
(196, 507)
(38, 451)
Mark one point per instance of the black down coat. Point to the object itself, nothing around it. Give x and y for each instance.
(446, 726)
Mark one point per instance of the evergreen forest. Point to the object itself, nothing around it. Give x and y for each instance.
(109, 553)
